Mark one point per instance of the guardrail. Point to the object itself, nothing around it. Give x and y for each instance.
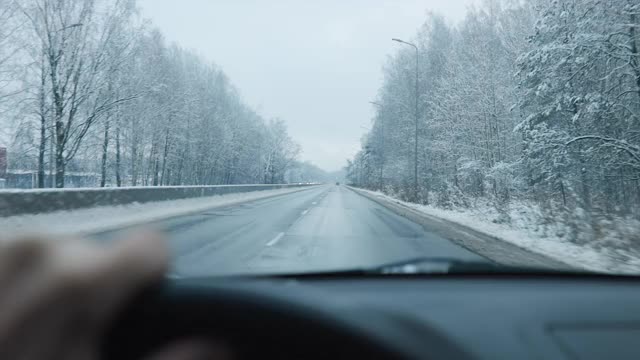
(20, 202)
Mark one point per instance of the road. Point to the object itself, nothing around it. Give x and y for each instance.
(323, 228)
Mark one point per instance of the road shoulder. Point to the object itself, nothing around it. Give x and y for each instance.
(493, 248)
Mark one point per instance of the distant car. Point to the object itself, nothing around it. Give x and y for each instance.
(337, 183)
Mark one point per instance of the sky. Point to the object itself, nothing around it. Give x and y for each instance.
(314, 64)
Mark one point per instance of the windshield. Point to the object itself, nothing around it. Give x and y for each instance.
(283, 137)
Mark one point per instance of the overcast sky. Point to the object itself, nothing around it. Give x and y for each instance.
(315, 64)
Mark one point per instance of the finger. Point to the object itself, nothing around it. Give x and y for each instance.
(22, 262)
(84, 281)
(26, 273)
(130, 265)
(17, 258)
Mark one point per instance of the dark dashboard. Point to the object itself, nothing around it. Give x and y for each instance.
(392, 316)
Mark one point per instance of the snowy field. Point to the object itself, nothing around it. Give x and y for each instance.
(608, 255)
(104, 218)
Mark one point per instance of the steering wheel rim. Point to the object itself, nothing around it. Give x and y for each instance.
(252, 323)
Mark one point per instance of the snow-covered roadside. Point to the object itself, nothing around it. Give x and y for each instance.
(104, 218)
(525, 234)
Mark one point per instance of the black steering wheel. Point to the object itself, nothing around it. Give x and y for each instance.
(251, 323)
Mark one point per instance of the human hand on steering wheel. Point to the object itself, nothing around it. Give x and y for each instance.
(58, 297)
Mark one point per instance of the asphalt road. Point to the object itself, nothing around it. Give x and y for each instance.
(323, 228)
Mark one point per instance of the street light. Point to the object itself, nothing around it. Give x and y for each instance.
(52, 175)
(416, 117)
(70, 27)
(381, 106)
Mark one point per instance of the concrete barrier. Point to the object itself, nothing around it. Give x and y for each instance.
(19, 202)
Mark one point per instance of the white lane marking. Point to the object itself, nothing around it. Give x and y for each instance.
(305, 212)
(275, 239)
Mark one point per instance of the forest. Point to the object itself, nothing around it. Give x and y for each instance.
(90, 87)
(523, 106)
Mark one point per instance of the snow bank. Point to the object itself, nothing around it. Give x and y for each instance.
(104, 218)
(525, 231)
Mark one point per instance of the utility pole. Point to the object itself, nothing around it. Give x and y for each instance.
(382, 141)
(416, 120)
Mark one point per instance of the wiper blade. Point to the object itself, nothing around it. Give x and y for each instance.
(439, 265)
(445, 265)
(425, 266)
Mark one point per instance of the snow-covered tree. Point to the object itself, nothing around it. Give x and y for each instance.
(534, 101)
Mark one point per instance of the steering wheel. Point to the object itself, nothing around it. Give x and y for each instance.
(252, 323)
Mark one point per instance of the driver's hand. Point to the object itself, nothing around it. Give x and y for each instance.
(58, 297)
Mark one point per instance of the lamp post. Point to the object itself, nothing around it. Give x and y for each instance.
(380, 106)
(55, 125)
(76, 25)
(416, 118)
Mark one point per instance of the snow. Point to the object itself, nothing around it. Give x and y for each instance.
(104, 218)
(523, 230)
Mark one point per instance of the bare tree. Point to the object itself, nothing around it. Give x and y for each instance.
(74, 36)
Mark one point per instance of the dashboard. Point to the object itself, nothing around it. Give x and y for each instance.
(391, 316)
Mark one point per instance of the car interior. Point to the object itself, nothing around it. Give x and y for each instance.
(390, 316)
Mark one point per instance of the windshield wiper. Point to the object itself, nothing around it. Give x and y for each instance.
(434, 266)
(440, 265)
(420, 266)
